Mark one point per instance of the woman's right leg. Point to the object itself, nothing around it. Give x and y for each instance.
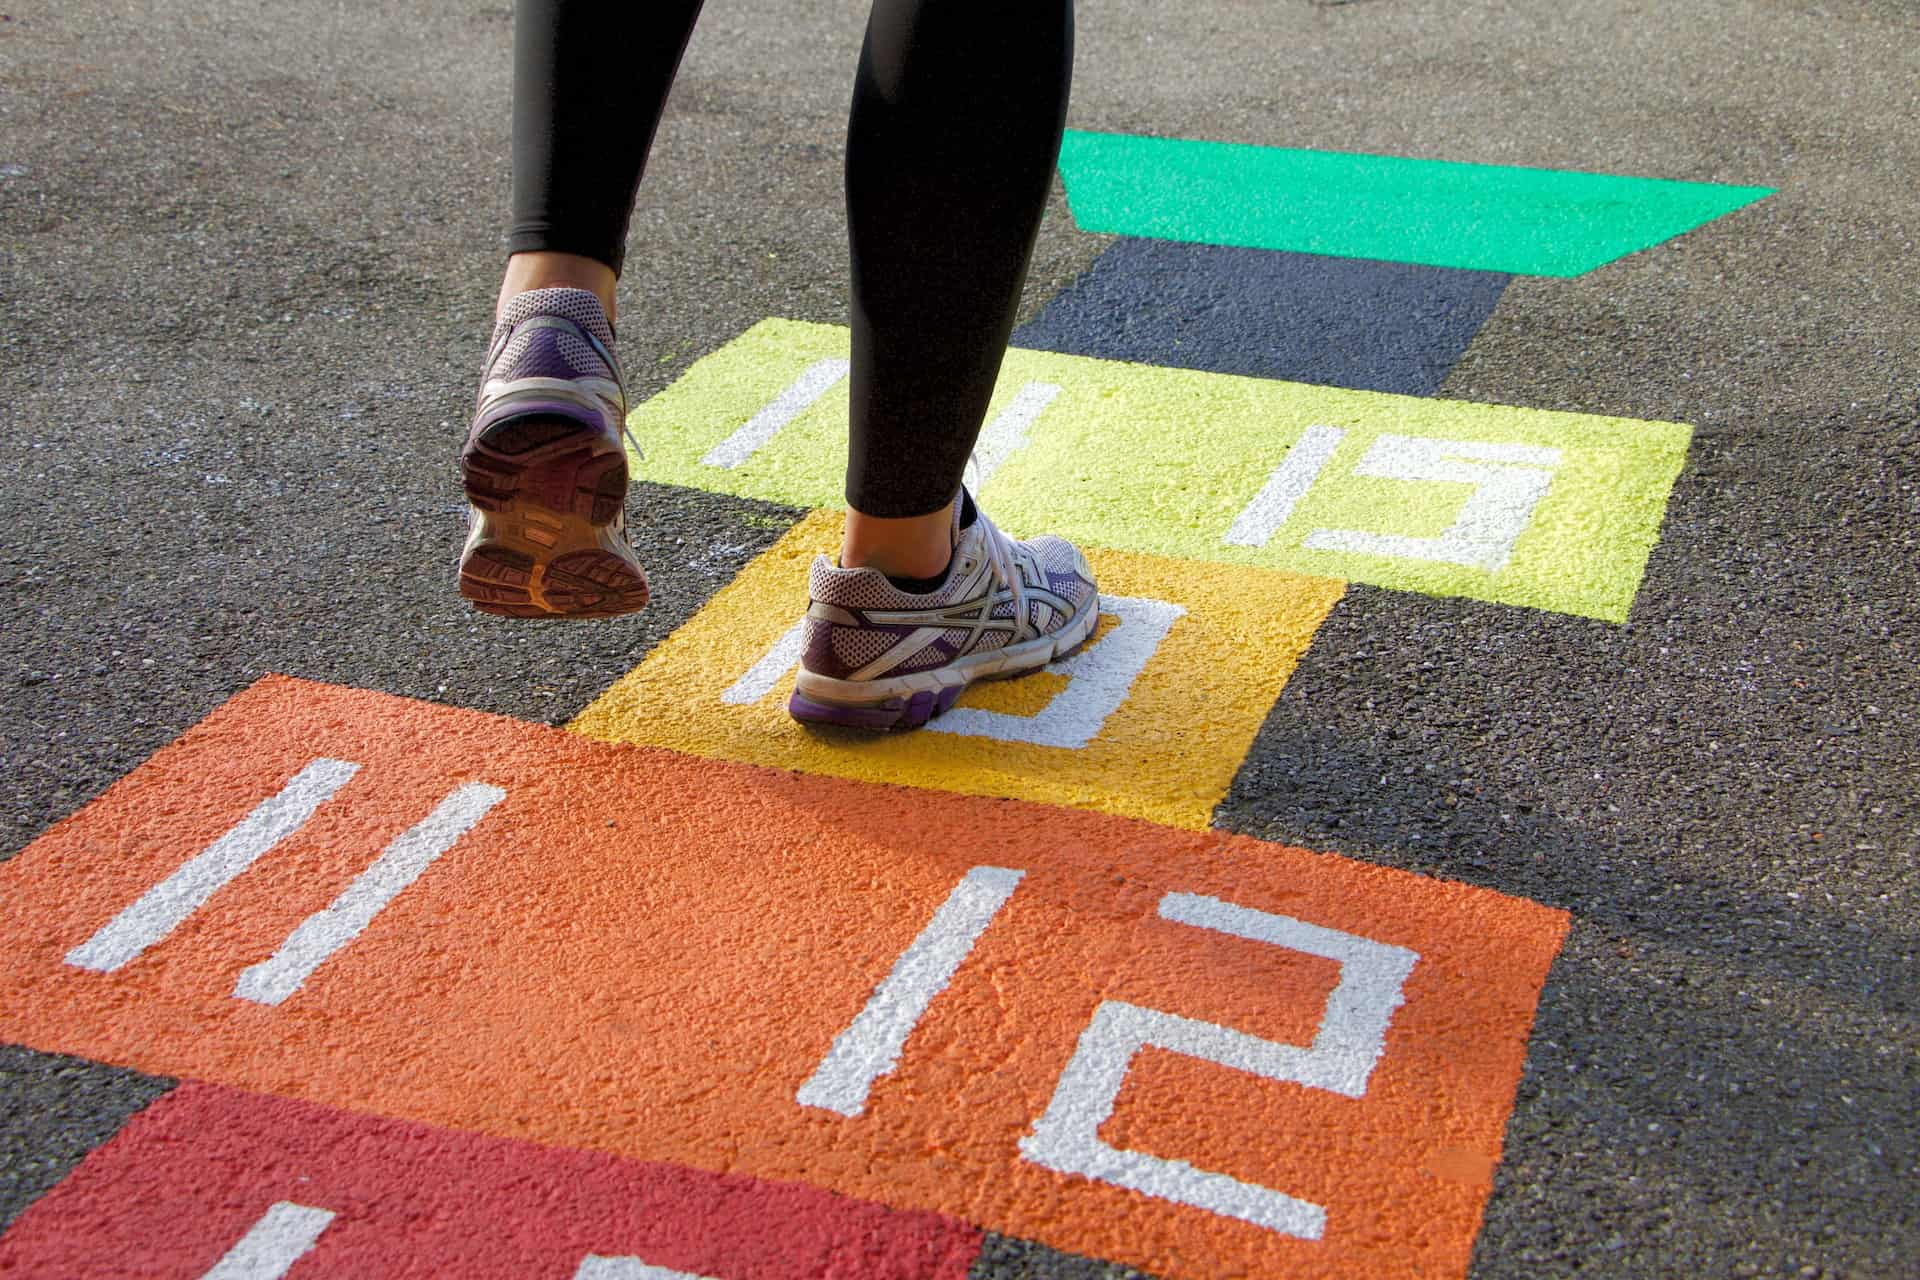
(956, 126)
(544, 464)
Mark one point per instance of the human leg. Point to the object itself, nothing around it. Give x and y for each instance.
(956, 125)
(544, 465)
(955, 129)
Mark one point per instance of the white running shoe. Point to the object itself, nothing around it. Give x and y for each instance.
(877, 657)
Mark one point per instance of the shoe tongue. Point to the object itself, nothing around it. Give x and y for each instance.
(964, 514)
(577, 305)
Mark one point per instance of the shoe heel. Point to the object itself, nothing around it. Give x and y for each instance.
(551, 463)
(548, 493)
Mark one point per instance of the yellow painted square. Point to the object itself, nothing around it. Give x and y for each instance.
(1168, 752)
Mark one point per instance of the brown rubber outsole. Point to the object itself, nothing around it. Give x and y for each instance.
(547, 538)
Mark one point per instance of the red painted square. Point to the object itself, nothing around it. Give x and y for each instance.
(187, 1178)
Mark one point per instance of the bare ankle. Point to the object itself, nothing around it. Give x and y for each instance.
(914, 547)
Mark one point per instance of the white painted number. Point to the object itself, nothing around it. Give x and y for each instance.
(1491, 520)
(1274, 504)
(272, 1245)
(815, 381)
(1508, 480)
(163, 908)
(287, 1232)
(1066, 1138)
(326, 931)
(1351, 1037)
(999, 440)
(1006, 435)
(870, 1047)
(595, 1267)
(1098, 681)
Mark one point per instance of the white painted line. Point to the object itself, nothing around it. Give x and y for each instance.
(760, 678)
(326, 931)
(1492, 518)
(815, 381)
(595, 1267)
(1289, 483)
(272, 1245)
(1099, 680)
(1350, 1040)
(870, 1046)
(161, 909)
(1007, 433)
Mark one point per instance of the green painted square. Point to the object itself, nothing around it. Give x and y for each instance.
(1166, 461)
(1546, 222)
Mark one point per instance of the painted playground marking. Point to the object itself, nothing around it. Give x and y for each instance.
(285, 1233)
(1151, 720)
(1549, 510)
(1551, 222)
(163, 908)
(1186, 1051)
(343, 1194)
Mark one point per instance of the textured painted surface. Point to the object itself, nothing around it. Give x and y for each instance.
(1546, 222)
(646, 955)
(1166, 461)
(1339, 322)
(204, 1166)
(1167, 750)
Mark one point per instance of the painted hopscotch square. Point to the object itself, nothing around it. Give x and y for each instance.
(210, 1177)
(1549, 510)
(1151, 720)
(1190, 1052)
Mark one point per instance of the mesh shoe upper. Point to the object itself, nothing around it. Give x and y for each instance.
(862, 627)
(559, 335)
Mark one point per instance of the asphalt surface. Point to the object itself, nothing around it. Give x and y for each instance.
(248, 255)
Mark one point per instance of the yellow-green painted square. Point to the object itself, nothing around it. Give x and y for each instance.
(1549, 510)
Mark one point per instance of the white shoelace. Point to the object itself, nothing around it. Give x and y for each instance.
(1006, 567)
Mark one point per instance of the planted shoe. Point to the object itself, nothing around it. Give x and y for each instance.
(877, 657)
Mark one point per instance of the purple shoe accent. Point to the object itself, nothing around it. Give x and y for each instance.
(1066, 584)
(818, 655)
(543, 357)
(937, 654)
(909, 713)
(806, 709)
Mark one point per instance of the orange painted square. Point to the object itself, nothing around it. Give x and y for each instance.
(647, 954)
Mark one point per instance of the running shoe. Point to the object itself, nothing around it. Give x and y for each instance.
(545, 468)
(877, 657)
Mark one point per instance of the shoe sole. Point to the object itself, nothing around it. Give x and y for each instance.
(909, 702)
(547, 494)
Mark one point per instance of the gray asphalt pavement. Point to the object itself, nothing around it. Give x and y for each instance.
(248, 253)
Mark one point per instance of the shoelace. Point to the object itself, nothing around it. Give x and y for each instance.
(1000, 555)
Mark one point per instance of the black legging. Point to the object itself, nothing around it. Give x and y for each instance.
(958, 109)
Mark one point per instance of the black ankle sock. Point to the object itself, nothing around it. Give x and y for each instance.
(921, 586)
